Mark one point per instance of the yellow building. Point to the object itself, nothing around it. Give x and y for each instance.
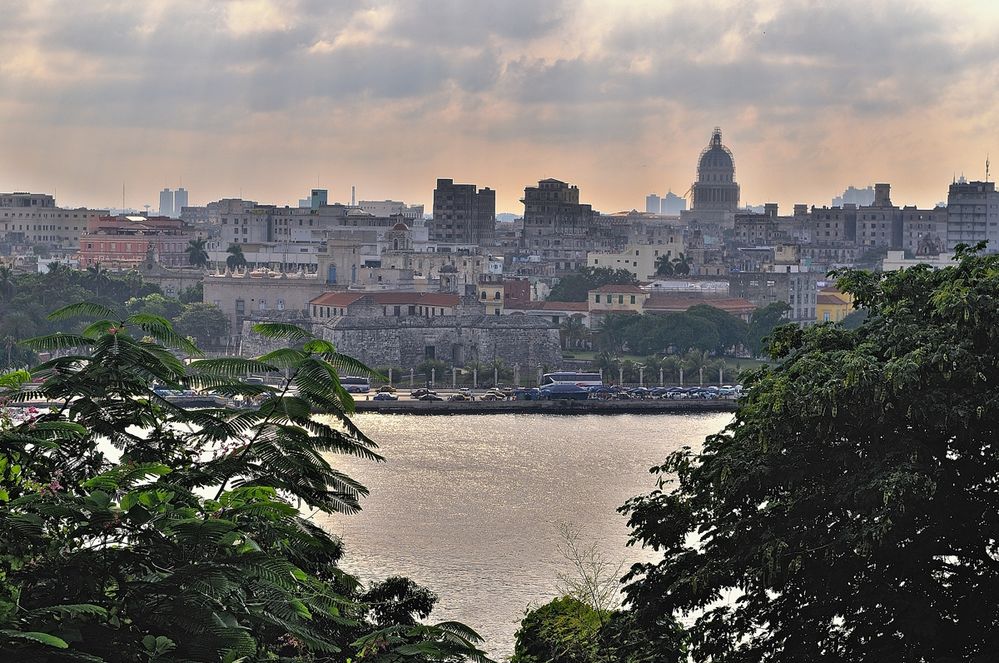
(492, 295)
(639, 259)
(831, 305)
(617, 299)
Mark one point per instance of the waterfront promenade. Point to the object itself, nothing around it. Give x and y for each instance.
(591, 406)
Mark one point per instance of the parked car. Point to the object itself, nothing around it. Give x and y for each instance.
(385, 396)
(422, 391)
(430, 396)
(567, 392)
(533, 394)
(459, 397)
(386, 389)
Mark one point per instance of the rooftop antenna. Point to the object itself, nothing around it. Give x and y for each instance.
(123, 196)
(353, 198)
(986, 167)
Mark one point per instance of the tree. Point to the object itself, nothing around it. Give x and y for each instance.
(732, 332)
(574, 287)
(197, 253)
(664, 266)
(236, 258)
(573, 332)
(96, 278)
(681, 264)
(192, 294)
(565, 630)
(205, 323)
(849, 512)
(763, 321)
(186, 543)
(7, 283)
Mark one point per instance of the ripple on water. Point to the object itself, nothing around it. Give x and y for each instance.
(467, 505)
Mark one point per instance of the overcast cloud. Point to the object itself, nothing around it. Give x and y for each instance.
(619, 97)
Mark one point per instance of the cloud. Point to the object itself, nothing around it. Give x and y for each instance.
(536, 83)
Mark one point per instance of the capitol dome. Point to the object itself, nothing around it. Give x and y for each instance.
(715, 188)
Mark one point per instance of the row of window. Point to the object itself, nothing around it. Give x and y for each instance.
(610, 299)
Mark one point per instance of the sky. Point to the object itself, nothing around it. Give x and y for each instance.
(267, 98)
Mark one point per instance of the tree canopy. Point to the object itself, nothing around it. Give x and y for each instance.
(573, 287)
(136, 529)
(850, 510)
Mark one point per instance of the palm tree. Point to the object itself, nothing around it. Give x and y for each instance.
(7, 285)
(97, 276)
(197, 254)
(572, 332)
(681, 264)
(236, 258)
(664, 266)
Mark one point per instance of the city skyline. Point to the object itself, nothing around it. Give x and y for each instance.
(263, 97)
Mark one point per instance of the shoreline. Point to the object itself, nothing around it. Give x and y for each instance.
(563, 407)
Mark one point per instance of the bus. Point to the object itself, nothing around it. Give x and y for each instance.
(572, 377)
(355, 384)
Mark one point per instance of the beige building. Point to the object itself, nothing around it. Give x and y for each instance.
(639, 259)
(33, 218)
(617, 299)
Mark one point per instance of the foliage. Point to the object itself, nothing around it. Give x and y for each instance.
(139, 530)
(573, 287)
(701, 327)
(193, 294)
(565, 630)
(197, 252)
(205, 323)
(849, 512)
(235, 259)
(762, 323)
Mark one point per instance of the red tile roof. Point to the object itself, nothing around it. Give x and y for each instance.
(547, 306)
(830, 299)
(682, 302)
(336, 299)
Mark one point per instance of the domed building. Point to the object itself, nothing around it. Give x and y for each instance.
(715, 188)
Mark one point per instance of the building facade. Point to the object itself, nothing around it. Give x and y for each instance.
(463, 214)
(33, 218)
(715, 188)
(973, 214)
(557, 227)
(126, 242)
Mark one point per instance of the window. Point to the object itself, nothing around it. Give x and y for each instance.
(596, 299)
(397, 311)
(633, 299)
(240, 307)
(620, 299)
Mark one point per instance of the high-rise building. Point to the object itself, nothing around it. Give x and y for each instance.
(33, 218)
(463, 214)
(672, 204)
(557, 227)
(318, 198)
(652, 203)
(166, 202)
(179, 200)
(715, 188)
(973, 214)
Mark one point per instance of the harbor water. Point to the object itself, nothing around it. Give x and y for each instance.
(469, 506)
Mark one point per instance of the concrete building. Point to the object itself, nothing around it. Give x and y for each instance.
(715, 188)
(463, 214)
(672, 204)
(244, 293)
(180, 201)
(28, 219)
(831, 305)
(557, 227)
(973, 214)
(653, 204)
(386, 208)
(896, 260)
(166, 203)
(795, 288)
(639, 259)
(854, 196)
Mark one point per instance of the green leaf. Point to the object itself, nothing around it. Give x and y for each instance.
(281, 331)
(37, 636)
(84, 310)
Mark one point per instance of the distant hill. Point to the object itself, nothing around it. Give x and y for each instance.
(507, 217)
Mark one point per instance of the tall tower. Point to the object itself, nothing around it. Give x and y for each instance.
(715, 188)
(179, 200)
(166, 202)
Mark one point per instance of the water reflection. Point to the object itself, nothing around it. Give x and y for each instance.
(467, 505)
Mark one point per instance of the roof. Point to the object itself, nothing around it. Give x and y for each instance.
(828, 299)
(682, 302)
(387, 298)
(620, 288)
(400, 226)
(581, 307)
